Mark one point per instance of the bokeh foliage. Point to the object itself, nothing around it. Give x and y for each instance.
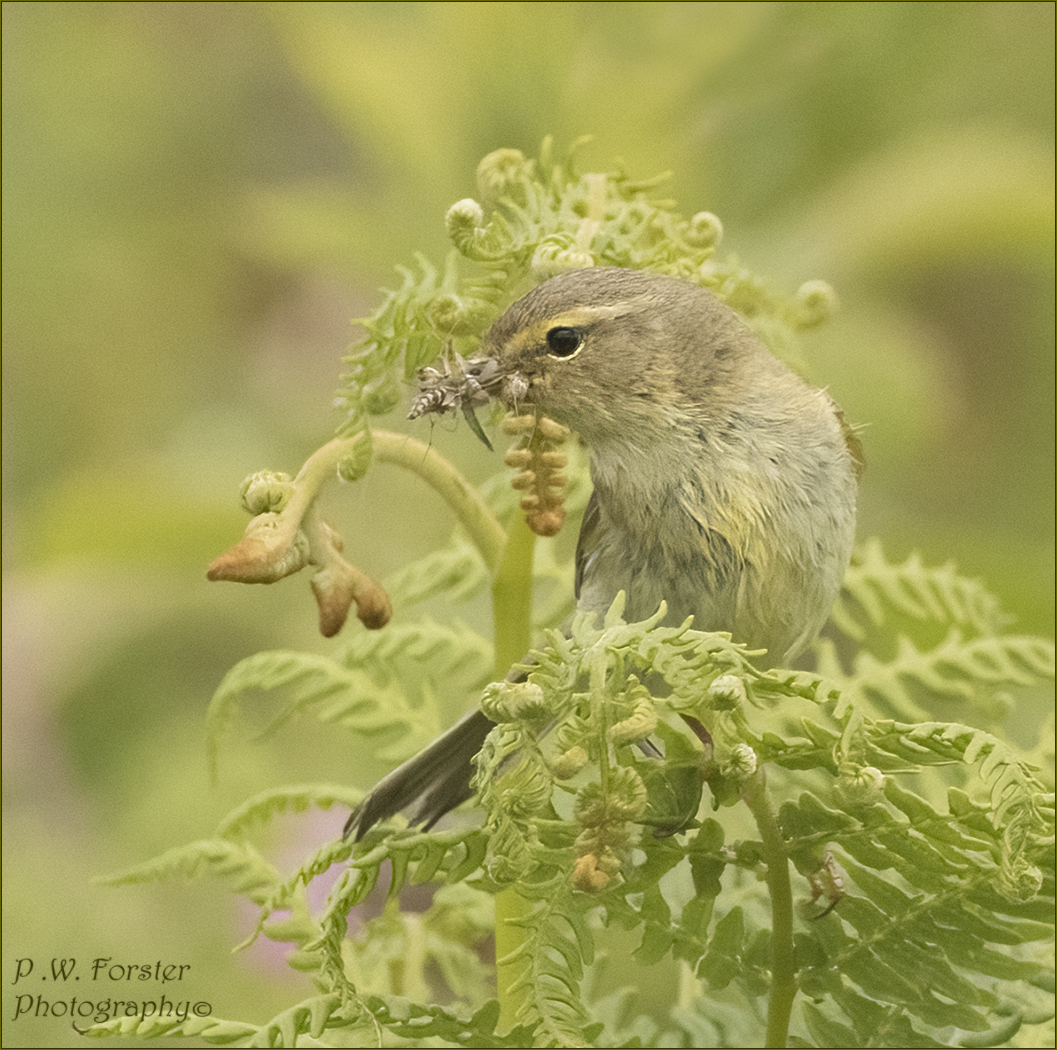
(198, 196)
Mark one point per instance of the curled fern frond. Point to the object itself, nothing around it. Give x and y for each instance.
(536, 219)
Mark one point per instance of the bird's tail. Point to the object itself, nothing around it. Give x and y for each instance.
(434, 781)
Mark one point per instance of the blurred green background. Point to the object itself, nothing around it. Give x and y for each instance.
(198, 197)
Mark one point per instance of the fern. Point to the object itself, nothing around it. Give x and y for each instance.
(554, 949)
(252, 874)
(846, 855)
(211, 1029)
(378, 686)
(970, 671)
(258, 810)
(536, 219)
(874, 589)
(456, 571)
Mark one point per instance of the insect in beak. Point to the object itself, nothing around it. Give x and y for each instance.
(458, 385)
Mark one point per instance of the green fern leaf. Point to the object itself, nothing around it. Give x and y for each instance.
(383, 683)
(211, 1029)
(957, 670)
(874, 589)
(253, 875)
(457, 571)
(261, 808)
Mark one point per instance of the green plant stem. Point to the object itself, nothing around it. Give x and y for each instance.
(510, 909)
(512, 598)
(512, 614)
(484, 530)
(783, 963)
(509, 558)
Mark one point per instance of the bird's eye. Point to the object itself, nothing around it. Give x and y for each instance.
(564, 342)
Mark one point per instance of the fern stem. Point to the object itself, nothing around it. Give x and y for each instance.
(510, 909)
(484, 530)
(512, 616)
(783, 964)
(512, 598)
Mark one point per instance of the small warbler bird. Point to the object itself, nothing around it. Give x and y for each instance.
(724, 485)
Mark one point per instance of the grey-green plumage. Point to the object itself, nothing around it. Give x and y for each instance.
(724, 484)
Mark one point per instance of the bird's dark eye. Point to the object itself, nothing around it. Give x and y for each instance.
(564, 342)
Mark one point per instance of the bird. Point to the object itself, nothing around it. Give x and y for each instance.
(724, 485)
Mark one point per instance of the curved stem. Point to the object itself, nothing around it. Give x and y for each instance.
(485, 532)
(783, 963)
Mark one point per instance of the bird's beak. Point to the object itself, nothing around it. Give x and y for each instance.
(486, 376)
